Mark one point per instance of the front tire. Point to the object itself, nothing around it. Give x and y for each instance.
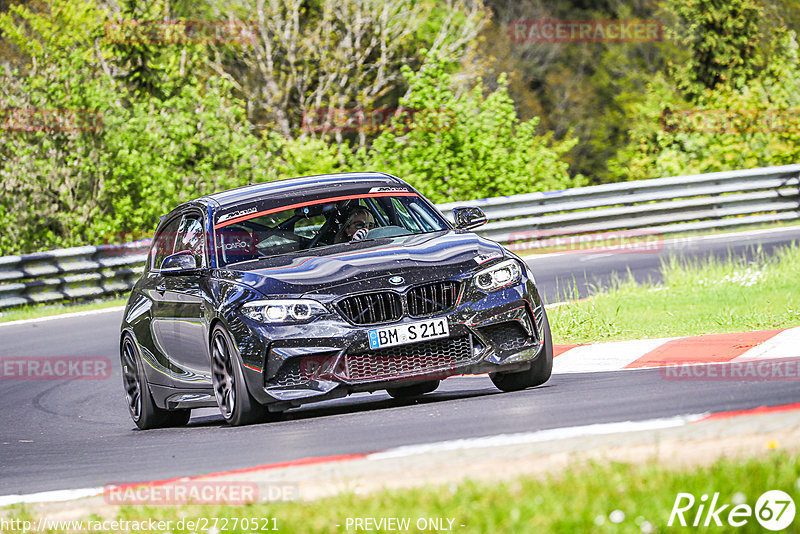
(415, 390)
(540, 370)
(141, 406)
(235, 403)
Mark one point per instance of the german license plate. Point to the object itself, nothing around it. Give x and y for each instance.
(408, 333)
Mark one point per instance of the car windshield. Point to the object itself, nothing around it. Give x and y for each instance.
(253, 233)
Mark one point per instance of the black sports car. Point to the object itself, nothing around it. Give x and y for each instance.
(265, 297)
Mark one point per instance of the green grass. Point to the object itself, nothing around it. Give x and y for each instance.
(583, 498)
(46, 310)
(696, 297)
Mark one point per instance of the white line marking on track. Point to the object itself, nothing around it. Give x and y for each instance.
(747, 233)
(50, 496)
(411, 450)
(536, 437)
(67, 315)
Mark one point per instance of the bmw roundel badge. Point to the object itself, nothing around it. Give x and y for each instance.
(396, 280)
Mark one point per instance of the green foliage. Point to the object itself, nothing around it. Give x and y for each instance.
(88, 182)
(304, 156)
(454, 147)
(725, 109)
(722, 39)
(170, 151)
(165, 128)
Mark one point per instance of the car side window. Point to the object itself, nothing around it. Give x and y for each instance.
(190, 238)
(163, 244)
(309, 227)
(379, 212)
(405, 217)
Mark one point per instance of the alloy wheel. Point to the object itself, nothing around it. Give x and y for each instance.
(222, 375)
(131, 380)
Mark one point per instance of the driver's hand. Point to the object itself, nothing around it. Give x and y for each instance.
(360, 234)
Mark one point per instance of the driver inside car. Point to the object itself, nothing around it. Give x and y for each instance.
(357, 225)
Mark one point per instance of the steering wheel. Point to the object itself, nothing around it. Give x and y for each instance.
(324, 230)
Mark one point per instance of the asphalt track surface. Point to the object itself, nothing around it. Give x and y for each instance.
(76, 434)
(561, 276)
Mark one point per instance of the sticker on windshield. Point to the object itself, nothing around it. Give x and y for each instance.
(234, 214)
(388, 190)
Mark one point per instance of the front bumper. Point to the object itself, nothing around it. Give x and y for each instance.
(289, 365)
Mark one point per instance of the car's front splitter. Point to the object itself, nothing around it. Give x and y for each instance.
(500, 332)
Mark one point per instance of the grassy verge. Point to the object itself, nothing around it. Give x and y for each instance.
(615, 497)
(46, 310)
(696, 297)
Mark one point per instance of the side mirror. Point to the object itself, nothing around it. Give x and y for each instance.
(469, 218)
(179, 263)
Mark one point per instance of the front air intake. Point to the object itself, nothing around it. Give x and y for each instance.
(372, 308)
(430, 299)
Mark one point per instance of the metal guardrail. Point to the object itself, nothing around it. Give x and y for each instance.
(646, 207)
(70, 273)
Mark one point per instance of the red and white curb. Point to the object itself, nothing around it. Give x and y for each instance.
(664, 352)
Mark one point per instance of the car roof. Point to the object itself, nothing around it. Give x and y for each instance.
(297, 187)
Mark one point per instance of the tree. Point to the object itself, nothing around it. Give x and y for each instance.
(86, 154)
(726, 110)
(338, 53)
(464, 147)
(580, 89)
(722, 39)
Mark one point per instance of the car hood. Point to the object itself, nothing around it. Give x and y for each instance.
(336, 270)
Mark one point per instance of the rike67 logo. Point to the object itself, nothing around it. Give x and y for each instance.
(774, 510)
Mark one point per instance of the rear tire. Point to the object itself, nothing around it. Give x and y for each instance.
(141, 406)
(407, 392)
(540, 370)
(235, 403)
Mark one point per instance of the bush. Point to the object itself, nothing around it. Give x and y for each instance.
(464, 147)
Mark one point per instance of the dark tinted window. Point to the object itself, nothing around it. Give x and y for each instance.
(163, 243)
(190, 238)
(321, 224)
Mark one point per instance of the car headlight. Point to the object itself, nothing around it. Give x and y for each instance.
(283, 311)
(497, 276)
